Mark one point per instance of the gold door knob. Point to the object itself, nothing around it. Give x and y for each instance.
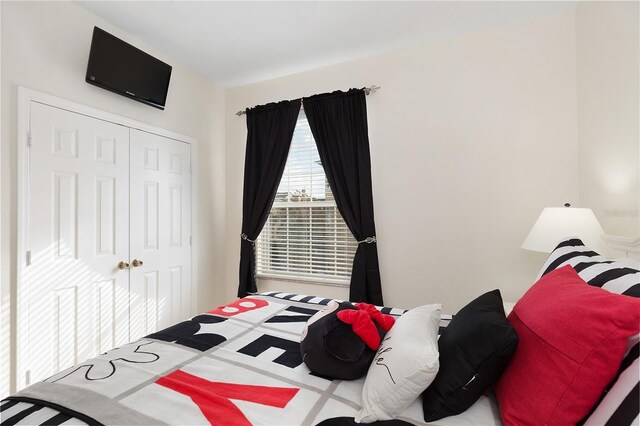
(137, 263)
(123, 265)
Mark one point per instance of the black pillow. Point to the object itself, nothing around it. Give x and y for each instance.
(475, 348)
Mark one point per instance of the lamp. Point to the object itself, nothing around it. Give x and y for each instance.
(559, 223)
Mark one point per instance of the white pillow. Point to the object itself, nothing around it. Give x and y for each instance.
(405, 365)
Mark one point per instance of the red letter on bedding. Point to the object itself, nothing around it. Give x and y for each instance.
(213, 398)
(239, 306)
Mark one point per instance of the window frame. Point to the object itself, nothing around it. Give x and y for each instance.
(298, 276)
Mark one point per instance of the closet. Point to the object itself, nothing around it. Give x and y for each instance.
(106, 231)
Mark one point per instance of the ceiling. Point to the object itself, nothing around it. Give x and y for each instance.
(240, 42)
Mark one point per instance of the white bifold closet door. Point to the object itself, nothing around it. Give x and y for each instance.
(160, 232)
(100, 196)
(78, 232)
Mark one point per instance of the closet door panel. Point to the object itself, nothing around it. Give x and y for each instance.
(160, 232)
(75, 297)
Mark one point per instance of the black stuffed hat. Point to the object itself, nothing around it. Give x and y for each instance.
(330, 347)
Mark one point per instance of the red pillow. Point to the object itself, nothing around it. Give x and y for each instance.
(572, 340)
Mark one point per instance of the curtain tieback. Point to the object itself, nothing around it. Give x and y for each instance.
(369, 240)
(246, 238)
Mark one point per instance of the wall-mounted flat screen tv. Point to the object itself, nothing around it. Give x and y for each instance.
(126, 70)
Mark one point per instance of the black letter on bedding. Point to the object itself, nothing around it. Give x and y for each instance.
(290, 358)
(304, 316)
(184, 333)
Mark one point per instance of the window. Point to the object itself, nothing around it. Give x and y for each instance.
(305, 236)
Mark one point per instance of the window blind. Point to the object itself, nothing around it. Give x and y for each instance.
(305, 236)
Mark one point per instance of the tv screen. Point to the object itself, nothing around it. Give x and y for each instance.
(121, 68)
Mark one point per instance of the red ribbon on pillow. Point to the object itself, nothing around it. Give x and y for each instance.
(362, 323)
(383, 320)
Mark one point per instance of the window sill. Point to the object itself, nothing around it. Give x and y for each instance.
(304, 280)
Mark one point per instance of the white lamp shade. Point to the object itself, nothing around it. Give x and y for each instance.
(559, 223)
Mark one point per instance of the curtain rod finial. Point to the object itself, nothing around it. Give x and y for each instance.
(371, 89)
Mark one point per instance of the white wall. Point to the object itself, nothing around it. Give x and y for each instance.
(608, 66)
(45, 46)
(470, 139)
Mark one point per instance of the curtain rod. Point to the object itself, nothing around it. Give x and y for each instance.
(367, 91)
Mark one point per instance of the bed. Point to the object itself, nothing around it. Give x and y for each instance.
(237, 364)
(241, 363)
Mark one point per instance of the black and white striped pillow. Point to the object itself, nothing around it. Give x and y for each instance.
(617, 276)
(620, 404)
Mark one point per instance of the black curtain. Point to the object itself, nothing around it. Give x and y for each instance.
(269, 132)
(338, 122)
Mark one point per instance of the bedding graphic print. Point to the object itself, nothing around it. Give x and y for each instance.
(214, 398)
(237, 364)
(104, 367)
